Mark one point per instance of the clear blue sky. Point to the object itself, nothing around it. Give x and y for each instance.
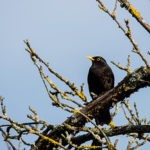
(63, 32)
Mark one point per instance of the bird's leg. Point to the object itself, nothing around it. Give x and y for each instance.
(93, 95)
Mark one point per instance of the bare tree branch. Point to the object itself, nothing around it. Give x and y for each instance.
(135, 13)
(138, 79)
(120, 130)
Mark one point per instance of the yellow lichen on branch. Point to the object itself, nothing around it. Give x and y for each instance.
(133, 11)
(50, 140)
(102, 7)
(89, 147)
(76, 111)
(51, 83)
(44, 137)
(81, 95)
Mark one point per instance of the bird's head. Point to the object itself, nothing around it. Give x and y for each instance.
(97, 60)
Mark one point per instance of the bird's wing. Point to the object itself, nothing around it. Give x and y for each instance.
(108, 79)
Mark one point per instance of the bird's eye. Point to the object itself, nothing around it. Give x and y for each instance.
(98, 59)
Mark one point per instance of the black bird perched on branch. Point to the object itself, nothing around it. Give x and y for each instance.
(100, 80)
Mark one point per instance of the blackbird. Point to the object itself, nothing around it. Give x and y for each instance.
(100, 80)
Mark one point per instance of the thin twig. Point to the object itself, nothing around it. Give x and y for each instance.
(67, 82)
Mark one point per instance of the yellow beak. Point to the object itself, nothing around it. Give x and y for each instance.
(90, 58)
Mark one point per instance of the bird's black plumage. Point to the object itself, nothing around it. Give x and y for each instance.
(100, 80)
